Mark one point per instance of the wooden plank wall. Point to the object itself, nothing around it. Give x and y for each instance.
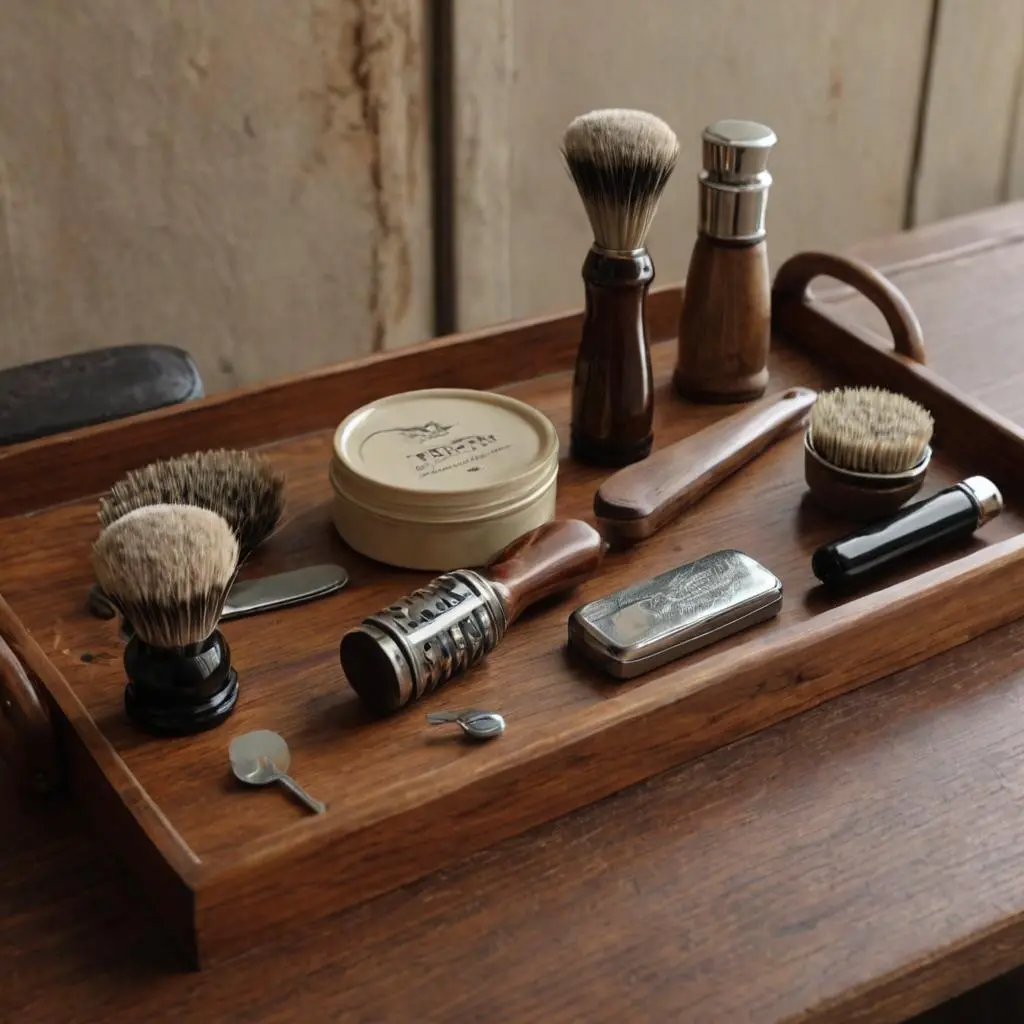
(277, 186)
(888, 114)
(246, 178)
(970, 132)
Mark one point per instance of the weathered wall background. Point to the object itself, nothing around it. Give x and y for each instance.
(246, 178)
(252, 179)
(839, 81)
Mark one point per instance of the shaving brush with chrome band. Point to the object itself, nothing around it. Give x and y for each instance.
(620, 161)
(419, 642)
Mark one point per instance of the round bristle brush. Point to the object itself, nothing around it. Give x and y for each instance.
(620, 161)
(168, 568)
(866, 451)
(242, 488)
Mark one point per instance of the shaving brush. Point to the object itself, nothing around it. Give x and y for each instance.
(866, 451)
(620, 161)
(168, 568)
(242, 488)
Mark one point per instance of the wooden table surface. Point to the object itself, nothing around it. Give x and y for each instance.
(859, 863)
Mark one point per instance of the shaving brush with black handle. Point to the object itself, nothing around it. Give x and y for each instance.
(243, 488)
(168, 569)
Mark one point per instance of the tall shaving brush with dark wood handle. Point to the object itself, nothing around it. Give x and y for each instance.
(620, 161)
(725, 324)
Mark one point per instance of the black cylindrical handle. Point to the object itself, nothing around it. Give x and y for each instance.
(947, 517)
(180, 691)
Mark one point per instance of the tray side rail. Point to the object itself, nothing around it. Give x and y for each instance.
(991, 443)
(67, 466)
(52, 744)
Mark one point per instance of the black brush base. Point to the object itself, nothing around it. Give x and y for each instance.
(180, 691)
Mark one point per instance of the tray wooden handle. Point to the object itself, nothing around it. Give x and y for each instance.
(640, 499)
(555, 557)
(796, 274)
(27, 739)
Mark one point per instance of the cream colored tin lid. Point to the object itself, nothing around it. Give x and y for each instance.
(455, 448)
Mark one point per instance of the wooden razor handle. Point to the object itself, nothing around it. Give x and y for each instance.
(26, 733)
(555, 557)
(640, 499)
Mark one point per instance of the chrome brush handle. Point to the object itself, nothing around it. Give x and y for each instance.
(417, 644)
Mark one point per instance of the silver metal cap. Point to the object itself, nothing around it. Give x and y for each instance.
(735, 180)
(377, 668)
(986, 496)
(658, 620)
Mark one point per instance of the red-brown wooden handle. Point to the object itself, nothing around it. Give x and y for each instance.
(555, 557)
(640, 499)
(796, 274)
(27, 740)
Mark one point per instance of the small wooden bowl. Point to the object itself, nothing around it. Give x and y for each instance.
(860, 496)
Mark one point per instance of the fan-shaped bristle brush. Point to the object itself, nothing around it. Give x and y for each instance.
(620, 161)
(866, 450)
(249, 494)
(168, 568)
(242, 488)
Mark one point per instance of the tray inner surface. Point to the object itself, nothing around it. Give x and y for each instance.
(288, 664)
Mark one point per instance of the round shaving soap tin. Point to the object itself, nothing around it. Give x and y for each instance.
(443, 478)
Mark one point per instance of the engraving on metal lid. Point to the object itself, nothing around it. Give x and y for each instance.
(679, 606)
(444, 441)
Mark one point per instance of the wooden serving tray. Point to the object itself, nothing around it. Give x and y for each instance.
(228, 868)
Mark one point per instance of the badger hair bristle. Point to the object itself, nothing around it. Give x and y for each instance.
(620, 161)
(168, 568)
(242, 488)
(869, 430)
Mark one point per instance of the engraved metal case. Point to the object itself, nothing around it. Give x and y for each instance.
(424, 639)
(658, 620)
